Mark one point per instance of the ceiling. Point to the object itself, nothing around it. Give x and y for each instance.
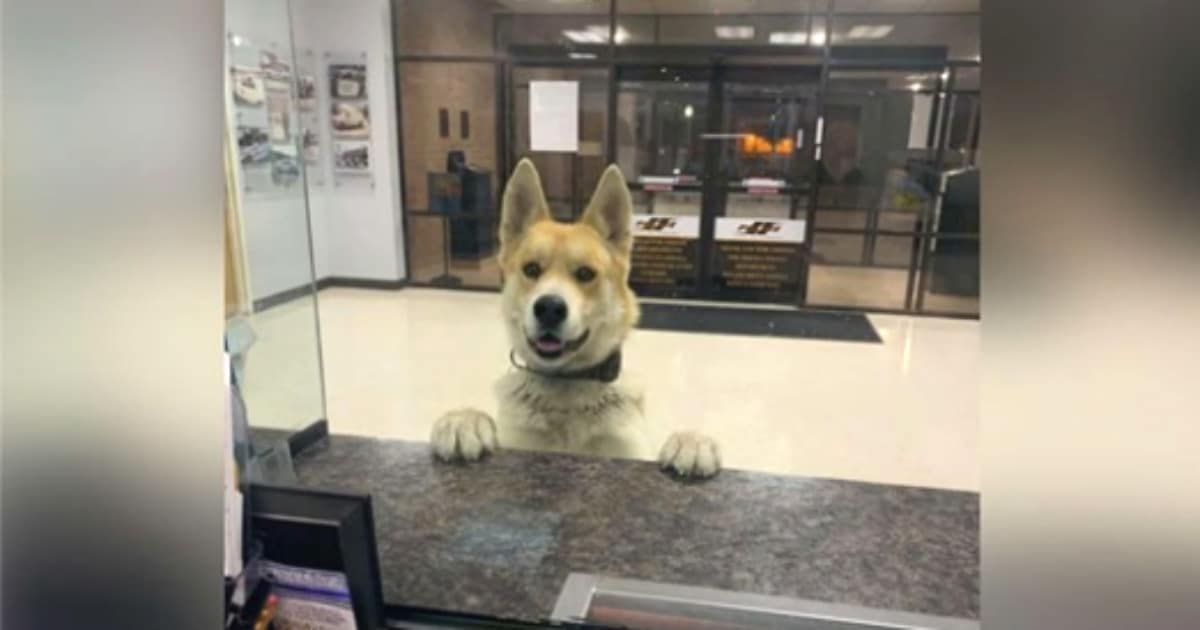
(737, 7)
(958, 33)
(953, 24)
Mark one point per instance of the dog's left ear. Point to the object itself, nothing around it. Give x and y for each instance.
(610, 212)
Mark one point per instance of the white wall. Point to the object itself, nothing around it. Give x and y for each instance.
(355, 233)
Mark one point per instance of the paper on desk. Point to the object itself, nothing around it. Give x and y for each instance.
(554, 116)
(310, 599)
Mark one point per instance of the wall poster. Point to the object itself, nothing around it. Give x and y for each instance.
(352, 157)
(248, 89)
(261, 86)
(664, 254)
(349, 120)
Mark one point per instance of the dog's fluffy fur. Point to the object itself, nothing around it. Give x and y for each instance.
(539, 410)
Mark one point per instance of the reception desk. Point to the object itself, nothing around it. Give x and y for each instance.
(500, 537)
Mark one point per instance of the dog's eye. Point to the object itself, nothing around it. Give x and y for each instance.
(532, 270)
(585, 274)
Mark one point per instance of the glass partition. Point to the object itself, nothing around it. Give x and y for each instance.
(272, 331)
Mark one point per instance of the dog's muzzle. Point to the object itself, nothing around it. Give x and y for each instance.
(548, 345)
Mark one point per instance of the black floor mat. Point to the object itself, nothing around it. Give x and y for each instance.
(758, 322)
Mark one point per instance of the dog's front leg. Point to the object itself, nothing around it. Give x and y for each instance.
(463, 434)
(690, 454)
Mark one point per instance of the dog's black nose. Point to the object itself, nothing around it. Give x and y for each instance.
(550, 310)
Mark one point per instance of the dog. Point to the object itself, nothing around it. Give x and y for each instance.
(567, 308)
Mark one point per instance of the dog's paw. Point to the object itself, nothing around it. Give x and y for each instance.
(689, 454)
(464, 434)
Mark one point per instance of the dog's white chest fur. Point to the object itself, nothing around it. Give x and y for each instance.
(571, 415)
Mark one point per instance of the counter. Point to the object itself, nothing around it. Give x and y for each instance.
(499, 537)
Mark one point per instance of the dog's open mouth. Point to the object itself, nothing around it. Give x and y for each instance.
(550, 346)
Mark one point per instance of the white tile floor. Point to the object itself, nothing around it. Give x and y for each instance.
(902, 412)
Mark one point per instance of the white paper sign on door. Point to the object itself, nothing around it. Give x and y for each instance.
(554, 116)
(918, 128)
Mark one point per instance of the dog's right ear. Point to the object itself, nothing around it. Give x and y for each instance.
(524, 204)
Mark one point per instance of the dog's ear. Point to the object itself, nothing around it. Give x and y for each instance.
(524, 204)
(610, 211)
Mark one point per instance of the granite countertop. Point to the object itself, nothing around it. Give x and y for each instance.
(499, 537)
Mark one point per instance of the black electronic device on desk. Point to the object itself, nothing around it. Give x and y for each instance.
(318, 554)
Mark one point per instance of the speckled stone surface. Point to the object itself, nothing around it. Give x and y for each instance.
(498, 537)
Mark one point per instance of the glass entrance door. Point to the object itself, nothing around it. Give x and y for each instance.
(765, 168)
(662, 116)
(719, 162)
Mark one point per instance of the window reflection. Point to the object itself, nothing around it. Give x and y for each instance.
(660, 126)
(773, 126)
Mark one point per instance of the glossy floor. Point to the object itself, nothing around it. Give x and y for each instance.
(903, 412)
(832, 285)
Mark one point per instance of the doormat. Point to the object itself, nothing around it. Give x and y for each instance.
(836, 326)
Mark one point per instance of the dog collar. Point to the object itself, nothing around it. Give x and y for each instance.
(605, 371)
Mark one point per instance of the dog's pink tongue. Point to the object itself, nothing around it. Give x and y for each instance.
(549, 344)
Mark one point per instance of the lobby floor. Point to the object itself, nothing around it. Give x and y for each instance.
(904, 411)
(831, 285)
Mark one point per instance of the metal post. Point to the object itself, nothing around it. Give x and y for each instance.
(712, 199)
(810, 217)
(927, 224)
(931, 136)
(610, 150)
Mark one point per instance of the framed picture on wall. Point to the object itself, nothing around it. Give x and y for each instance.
(254, 146)
(348, 80)
(248, 89)
(352, 157)
(350, 119)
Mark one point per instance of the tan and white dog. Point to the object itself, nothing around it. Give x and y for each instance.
(567, 307)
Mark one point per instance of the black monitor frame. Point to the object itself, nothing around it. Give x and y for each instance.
(277, 513)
